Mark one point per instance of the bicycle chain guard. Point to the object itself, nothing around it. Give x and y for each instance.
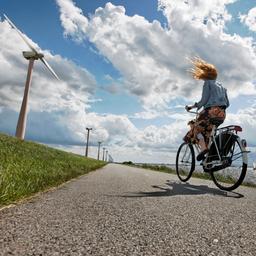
(226, 163)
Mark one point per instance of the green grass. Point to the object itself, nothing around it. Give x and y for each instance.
(200, 175)
(28, 167)
(159, 168)
(162, 168)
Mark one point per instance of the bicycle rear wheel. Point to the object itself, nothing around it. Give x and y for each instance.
(232, 177)
(185, 161)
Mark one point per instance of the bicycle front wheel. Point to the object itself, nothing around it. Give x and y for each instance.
(232, 177)
(185, 161)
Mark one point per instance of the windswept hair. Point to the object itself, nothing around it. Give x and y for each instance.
(202, 70)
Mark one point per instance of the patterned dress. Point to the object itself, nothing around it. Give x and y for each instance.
(203, 124)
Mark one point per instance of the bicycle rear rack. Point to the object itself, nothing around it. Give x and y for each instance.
(235, 128)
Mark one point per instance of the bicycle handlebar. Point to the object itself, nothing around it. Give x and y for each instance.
(193, 112)
(189, 111)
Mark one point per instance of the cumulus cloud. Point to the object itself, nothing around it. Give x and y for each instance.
(72, 19)
(42, 126)
(47, 94)
(50, 101)
(245, 118)
(112, 129)
(118, 131)
(152, 59)
(196, 11)
(59, 111)
(249, 19)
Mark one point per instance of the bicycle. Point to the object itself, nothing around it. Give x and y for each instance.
(226, 160)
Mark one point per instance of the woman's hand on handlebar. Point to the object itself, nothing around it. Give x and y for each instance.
(188, 108)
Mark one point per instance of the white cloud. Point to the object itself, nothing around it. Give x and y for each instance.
(249, 19)
(72, 92)
(58, 109)
(72, 19)
(162, 138)
(152, 59)
(196, 11)
(246, 119)
(125, 142)
(51, 102)
(117, 131)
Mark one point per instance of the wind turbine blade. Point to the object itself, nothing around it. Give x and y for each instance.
(49, 67)
(21, 34)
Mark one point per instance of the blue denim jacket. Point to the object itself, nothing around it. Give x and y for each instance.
(214, 94)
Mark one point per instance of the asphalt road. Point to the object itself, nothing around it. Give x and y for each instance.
(120, 210)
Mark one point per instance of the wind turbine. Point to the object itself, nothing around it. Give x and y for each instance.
(31, 56)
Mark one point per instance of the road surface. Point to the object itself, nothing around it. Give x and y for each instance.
(120, 210)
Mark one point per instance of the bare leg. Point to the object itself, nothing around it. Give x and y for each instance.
(202, 144)
(201, 141)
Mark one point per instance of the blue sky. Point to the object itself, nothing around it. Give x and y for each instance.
(235, 26)
(118, 91)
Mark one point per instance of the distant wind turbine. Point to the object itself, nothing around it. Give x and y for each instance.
(31, 56)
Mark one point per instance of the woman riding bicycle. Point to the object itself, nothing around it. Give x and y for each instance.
(214, 102)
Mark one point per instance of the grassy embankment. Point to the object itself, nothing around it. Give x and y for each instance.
(200, 175)
(28, 167)
(162, 168)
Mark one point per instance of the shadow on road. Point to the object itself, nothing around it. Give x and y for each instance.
(177, 188)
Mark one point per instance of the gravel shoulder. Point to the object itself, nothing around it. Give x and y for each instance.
(121, 210)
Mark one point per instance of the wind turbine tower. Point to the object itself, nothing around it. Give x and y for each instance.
(31, 56)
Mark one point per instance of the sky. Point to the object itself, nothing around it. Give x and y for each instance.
(123, 71)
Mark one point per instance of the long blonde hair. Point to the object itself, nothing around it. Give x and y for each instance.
(202, 70)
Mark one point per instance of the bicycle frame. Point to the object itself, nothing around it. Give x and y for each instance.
(225, 148)
(212, 140)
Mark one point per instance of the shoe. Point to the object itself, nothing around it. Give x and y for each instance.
(207, 170)
(200, 156)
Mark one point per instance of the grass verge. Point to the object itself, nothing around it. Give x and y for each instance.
(200, 175)
(27, 168)
(163, 168)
